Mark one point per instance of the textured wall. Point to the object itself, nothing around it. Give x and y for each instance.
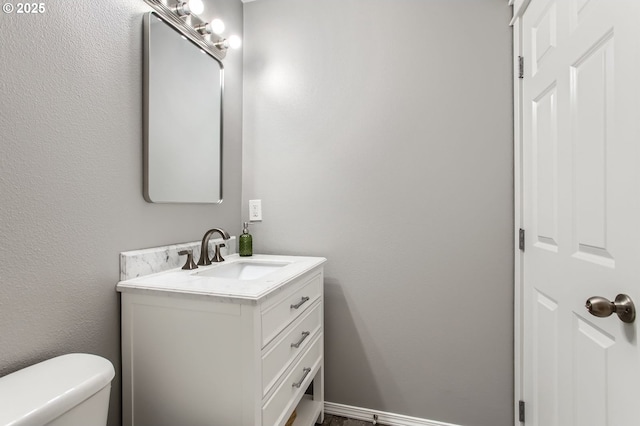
(71, 176)
(378, 134)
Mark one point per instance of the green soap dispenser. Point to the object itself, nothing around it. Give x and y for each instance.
(246, 241)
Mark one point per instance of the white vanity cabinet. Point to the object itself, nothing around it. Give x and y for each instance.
(196, 354)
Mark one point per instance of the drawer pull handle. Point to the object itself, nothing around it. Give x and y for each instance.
(306, 373)
(300, 303)
(305, 334)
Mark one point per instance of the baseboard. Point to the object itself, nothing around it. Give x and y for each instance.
(384, 418)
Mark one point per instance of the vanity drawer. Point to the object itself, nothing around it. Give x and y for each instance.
(278, 358)
(278, 316)
(287, 395)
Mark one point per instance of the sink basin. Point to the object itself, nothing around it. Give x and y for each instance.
(242, 270)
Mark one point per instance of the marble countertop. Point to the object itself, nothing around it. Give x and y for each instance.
(189, 282)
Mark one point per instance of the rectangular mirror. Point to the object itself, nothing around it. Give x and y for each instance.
(183, 117)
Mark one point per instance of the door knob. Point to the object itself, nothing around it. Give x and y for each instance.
(623, 306)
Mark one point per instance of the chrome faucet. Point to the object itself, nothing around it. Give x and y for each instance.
(204, 248)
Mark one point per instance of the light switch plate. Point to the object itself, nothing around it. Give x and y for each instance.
(255, 210)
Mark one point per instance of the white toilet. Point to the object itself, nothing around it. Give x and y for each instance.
(69, 390)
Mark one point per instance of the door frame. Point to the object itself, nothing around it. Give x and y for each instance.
(519, 7)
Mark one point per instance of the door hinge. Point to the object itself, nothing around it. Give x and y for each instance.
(520, 66)
(521, 411)
(521, 239)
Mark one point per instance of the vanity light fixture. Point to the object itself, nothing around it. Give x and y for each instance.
(204, 28)
(181, 8)
(188, 7)
(183, 15)
(233, 42)
(214, 27)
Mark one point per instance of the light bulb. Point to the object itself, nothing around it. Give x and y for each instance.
(235, 42)
(217, 26)
(196, 6)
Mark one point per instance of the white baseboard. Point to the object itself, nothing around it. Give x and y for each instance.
(384, 418)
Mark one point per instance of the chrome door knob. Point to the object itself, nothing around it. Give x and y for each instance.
(623, 306)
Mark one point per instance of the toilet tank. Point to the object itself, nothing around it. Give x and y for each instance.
(69, 390)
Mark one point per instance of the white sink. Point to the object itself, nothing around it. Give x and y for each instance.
(237, 279)
(242, 270)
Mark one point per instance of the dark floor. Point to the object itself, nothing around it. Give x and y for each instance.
(330, 420)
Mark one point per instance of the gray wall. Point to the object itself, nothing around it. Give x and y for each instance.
(378, 134)
(71, 176)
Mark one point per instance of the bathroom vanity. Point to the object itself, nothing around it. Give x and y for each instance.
(234, 343)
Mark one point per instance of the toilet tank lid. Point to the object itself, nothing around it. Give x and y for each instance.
(44, 391)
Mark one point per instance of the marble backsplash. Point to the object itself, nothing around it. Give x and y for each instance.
(137, 263)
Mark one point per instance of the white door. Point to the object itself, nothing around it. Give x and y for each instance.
(581, 210)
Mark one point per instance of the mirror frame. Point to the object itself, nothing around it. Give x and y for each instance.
(147, 121)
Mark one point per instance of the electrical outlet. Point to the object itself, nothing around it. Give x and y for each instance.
(255, 210)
